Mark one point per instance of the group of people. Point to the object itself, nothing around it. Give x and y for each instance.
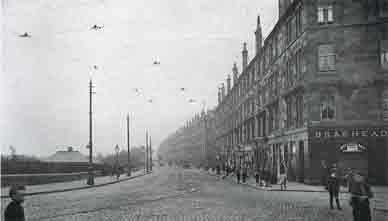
(358, 187)
(240, 172)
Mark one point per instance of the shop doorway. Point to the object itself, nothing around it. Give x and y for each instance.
(355, 157)
(301, 161)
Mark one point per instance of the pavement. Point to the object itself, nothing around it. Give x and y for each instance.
(72, 185)
(171, 193)
(379, 202)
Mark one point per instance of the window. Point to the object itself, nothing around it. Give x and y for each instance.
(326, 57)
(289, 31)
(277, 117)
(298, 62)
(327, 107)
(293, 28)
(299, 21)
(288, 112)
(274, 48)
(279, 41)
(294, 69)
(384, 54)
(289, 74)
(325, 14)
(385, 105)
(299, 111)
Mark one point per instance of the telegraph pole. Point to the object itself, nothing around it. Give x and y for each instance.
(150, 155)
(146, 153)
(90, 180)
(205, 143)
(129, 149)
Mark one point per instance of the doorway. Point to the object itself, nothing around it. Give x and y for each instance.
(301, 161)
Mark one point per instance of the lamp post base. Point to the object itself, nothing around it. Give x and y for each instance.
(90, 180)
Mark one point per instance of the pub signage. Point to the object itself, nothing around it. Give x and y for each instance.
(338, 133)
(352, 148)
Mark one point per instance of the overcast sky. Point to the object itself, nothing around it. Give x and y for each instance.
(44, 79)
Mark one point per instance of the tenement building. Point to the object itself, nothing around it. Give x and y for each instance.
(315, 93)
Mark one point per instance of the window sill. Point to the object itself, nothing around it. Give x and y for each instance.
(328, 120)
(327, 72)
(326, 23)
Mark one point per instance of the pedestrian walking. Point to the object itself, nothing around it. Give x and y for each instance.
(360, 194)
(333, 186)
(238, 175)
(15, 210)
(325, 172)
(283, 177)
(244, 174)
(227, 171)
(257, 177)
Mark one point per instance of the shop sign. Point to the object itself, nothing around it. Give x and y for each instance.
(352, 148)
(339, 133)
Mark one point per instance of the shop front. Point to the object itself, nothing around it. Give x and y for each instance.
(361, 148)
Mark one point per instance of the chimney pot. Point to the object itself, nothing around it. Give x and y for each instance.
(228, 85)
(244, 56)
(235, 73)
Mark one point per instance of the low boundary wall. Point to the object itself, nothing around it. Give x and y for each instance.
(34, 179)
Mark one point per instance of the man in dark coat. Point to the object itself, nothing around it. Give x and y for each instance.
(333, 185)
(238, 175)
(14, 210)
(360, 193)
(244, 174)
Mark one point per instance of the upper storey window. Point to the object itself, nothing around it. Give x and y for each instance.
(326, 57)
(325, 14)
(327, 107)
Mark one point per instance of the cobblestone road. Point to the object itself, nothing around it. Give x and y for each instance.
(177, 194)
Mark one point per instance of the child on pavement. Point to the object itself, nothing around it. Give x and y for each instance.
(14, 210)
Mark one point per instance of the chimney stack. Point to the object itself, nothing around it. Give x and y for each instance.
(244, 56)
(219, 96)
(259, 36)
(228, 86)
(222, 91)
(235, 73)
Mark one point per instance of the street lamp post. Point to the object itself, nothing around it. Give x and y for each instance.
(117, 150)
(150, 150)
(146, 153)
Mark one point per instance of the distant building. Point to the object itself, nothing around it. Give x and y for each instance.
(69, 155)
(193, 143)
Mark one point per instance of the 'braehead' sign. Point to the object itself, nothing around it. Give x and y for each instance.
(341, 133)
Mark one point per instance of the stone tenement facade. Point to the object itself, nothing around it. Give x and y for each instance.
(315, 92)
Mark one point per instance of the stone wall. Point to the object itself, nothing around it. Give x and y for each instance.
(35, 179)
